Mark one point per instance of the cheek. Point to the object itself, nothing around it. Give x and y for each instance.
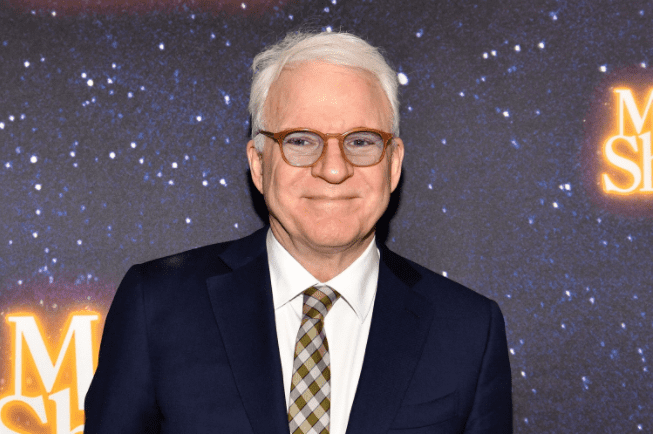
(377, 193)
(279, 187)
(270, 173)
(381, 180)
(270, 187)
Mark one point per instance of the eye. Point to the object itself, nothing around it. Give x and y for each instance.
(363, 139)
(359, 142)
(295, 141)
(302, 139)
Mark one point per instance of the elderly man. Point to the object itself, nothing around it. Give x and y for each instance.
(308, 325)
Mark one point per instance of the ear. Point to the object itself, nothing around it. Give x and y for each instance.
(255, 165)
(396, 159)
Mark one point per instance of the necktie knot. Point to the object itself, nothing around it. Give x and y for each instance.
(318, 302)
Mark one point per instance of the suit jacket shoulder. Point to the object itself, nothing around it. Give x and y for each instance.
(458, 300)
(206, 261)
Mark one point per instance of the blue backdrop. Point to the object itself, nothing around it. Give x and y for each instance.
(123, 131)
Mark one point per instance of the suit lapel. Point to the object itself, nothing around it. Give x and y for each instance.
(243, 307)
(400, 323)
(242, 303)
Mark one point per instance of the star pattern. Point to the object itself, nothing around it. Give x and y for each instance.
(123, 139)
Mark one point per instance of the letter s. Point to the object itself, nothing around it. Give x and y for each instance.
(35, 403)
(622, 163)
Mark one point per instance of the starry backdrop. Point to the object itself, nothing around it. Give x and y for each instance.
(122, 135)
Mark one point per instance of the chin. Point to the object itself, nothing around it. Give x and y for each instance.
(332, 234)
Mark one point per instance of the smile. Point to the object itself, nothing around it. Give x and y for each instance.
(331, 198)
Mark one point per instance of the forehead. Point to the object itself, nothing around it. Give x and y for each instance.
(326, 96)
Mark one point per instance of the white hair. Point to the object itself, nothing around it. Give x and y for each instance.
(337, 48)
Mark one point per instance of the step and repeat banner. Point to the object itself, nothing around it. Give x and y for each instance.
(528, 178)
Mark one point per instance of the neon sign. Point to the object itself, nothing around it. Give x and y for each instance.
(48, 393)
(635, 161)
(617, 153)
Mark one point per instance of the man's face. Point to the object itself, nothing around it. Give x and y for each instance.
(333, 205)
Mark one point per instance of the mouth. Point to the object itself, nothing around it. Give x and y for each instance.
(330, 198)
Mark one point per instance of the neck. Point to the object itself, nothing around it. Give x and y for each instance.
(323, 262)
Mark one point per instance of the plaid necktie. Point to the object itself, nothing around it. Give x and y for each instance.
(310, 389)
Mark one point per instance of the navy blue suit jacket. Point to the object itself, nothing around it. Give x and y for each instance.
(190, 346)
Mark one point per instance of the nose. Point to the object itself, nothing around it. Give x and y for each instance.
(332, 167)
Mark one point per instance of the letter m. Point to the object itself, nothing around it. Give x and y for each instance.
(627, 102)
(79, 328)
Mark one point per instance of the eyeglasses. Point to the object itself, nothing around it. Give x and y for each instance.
(302, 147)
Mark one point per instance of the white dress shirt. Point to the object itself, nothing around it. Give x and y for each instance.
(347, 324)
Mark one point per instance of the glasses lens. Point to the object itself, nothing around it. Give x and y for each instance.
(363, 147)
(302, 148)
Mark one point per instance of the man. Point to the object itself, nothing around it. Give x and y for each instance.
(308, 325)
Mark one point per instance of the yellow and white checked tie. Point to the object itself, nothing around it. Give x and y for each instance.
(310, 388)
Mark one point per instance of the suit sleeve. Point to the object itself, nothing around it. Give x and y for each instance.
(121, 397)
(492, 409)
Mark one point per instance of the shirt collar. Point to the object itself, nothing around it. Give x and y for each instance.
(356, 284)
